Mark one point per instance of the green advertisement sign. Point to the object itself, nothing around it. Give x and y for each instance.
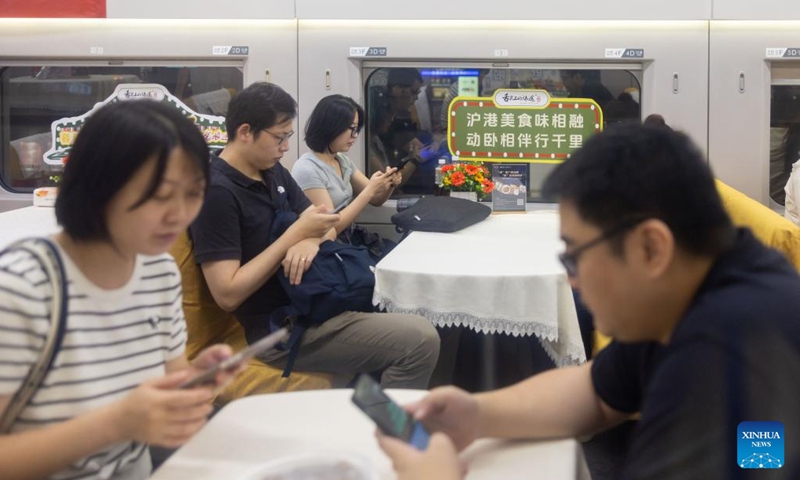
(64, 131)
(520, 126)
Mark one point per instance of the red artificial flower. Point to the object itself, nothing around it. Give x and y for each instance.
(467, 177)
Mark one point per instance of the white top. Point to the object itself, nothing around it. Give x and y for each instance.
(114, 341)
(267, 429)
(499, 275)
(792, 190)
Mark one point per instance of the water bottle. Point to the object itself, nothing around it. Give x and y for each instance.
(437, 178)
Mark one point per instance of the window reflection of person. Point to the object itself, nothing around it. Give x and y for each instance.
(622, 110)
(403, 87)
(586, 84)
(404, 141)
(381, 117)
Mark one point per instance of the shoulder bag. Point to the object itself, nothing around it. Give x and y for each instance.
(46, 253)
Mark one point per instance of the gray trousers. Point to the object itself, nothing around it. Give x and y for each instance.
(403, 348)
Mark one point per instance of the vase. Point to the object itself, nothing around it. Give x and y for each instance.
(465, 195)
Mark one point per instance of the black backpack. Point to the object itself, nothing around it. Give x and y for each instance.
(341, 278)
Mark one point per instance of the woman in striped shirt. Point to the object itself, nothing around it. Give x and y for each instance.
(135, 180)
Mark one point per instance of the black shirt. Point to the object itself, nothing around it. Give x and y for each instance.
(734, 357)
(235, 224)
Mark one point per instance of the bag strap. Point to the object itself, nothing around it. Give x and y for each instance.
(299, 327)
(50, 260)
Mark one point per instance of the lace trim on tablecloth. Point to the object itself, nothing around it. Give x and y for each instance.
(546, 334)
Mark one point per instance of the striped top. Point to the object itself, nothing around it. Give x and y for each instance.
(114, 340)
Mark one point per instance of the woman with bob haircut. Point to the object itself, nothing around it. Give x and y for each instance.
(135, 179)
(325, 173)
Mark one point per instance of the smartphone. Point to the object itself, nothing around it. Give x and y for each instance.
(390, 417)
(235, 360)
(403, 162)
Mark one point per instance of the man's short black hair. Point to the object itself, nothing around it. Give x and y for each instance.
(402, 77)
(332, 116)
(261, 105)
(112, 145)
(635, 172)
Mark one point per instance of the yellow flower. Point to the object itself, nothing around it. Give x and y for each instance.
(446, 181)
(479, 177)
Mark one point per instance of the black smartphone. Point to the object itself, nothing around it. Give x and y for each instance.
(390, 417)
(234, 361)
(403, 162)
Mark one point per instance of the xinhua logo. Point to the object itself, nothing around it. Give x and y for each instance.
(760, 445)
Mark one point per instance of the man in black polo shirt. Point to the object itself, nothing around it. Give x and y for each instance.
(706, 322)
(232, 244)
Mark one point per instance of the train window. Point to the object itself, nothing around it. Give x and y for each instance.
(31, 98)
(407, 110)
(784, 145)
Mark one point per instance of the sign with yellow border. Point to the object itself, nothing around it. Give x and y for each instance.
(520, 126)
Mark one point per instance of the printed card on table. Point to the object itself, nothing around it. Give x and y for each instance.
(510, 187)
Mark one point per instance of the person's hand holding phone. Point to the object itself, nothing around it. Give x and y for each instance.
(452, 411)
(438, 462)
(160, 413)
(395, 176)
(380, 183)
(213, 356)
(217, 366)
(315, 222)
(415, 147)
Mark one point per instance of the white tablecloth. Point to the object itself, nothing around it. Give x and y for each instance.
(27, 222)
(500, 275)
(254, 430)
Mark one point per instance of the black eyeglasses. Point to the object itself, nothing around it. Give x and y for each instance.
(279, 138)
(570, 259)
(354, 131)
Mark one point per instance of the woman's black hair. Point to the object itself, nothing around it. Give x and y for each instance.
(332, 116)
(115, 142)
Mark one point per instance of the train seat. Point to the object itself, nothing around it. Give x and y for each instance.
(769, 227)
(208, 324)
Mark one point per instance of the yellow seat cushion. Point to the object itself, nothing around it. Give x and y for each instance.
(772, 229)
(769, 227)
(207, 324)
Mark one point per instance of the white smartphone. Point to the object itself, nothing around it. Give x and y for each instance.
(234, 361)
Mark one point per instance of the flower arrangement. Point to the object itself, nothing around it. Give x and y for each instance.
(467, 177)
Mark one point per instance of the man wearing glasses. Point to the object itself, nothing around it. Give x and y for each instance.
(706, 322)
(233, 244)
